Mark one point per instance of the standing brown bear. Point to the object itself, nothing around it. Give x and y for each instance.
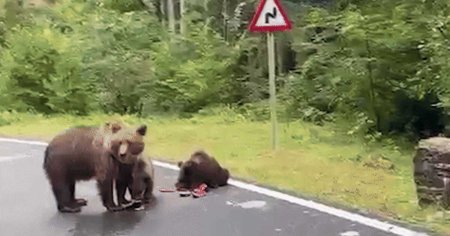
(87, 152)
(138, 179)
(201, 168)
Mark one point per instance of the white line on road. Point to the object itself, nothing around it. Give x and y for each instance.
(10, 158)
(11, 140)
(374, 223)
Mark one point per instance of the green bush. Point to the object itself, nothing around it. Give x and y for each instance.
(41, 71)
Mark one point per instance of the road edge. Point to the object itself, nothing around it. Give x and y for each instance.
(355, 217)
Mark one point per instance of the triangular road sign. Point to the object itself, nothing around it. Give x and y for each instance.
(269, 17)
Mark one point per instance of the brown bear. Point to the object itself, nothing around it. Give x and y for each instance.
(138, 179)
(87, 152)
(201, 168)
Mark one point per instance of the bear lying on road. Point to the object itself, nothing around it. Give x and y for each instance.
(138, 178)
(87, 152)
(201, 168)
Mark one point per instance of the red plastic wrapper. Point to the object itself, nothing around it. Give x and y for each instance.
(166, 190)
(200, 191)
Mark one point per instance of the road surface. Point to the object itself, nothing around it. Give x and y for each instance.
(27, 207)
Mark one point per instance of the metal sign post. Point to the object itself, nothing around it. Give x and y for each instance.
(270, 17)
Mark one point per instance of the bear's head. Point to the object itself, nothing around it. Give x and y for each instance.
(127, 144)
(224, 175)
(188, 176)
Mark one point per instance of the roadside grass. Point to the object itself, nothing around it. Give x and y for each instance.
(312, 160)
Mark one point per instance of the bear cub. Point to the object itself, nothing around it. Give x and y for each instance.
(138, 179)
(201, 168)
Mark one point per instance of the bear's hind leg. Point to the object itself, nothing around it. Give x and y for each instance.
(61, 191)
(76, 201)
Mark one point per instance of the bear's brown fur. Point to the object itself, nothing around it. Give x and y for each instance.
(201, 168)
(86, 152)
(105, 131)
(138, 179)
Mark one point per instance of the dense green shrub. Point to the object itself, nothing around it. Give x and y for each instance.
(372, 67)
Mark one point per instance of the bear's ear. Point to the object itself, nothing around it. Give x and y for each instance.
(180, 163)
(142, 130)
(190, 164)
(115, 127)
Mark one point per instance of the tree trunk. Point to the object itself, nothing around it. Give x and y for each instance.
(205, 5)
(205, 12)
(225, 19)
(162, 10)
(182, 20)
(171, 14)
(372, 94)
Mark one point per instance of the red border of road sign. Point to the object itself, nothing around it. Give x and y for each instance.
(254, 28)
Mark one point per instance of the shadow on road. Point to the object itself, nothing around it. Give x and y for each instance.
(106, 223)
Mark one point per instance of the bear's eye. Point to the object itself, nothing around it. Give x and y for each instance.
(136, 148)
(124, 142)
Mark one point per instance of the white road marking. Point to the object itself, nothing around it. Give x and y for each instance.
(252, 204)
(12, 140)
(10, 158)
(374, 223)
(349, 233)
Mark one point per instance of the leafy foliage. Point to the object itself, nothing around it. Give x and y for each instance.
(373, 67)
(376, 60)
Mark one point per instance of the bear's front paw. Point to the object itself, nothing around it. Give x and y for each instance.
(115, 208)
(124, 202)
(80, 202)
(69, 209)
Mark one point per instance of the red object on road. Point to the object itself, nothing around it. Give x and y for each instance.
(200, 191)
(166, 190)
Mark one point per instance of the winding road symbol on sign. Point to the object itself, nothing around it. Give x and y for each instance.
(272, 15)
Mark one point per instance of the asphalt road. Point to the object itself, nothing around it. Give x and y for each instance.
(27, 207)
